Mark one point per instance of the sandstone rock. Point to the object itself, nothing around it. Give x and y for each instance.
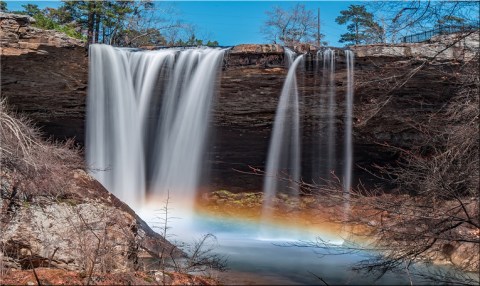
(16, 32)
(44, 72)
(464, 256)
(15, 20)
(67, 232)
(256, 48)
(444, 47)
(305, 48)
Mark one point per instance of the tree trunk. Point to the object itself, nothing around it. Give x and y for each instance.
(356, 32)
(97, 20)
(90, 23)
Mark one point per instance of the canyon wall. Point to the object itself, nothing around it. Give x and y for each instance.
(44, 76)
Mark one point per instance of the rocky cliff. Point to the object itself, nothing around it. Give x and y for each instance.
(44, 75)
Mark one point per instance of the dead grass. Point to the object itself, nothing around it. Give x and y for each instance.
(35, 166)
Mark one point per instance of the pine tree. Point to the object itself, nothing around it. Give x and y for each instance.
(362, 28)
(3, 6)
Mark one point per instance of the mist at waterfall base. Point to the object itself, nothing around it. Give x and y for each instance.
(147, 126)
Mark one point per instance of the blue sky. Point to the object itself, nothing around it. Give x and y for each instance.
(237, 22)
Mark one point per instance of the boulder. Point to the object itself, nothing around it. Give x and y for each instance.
(70, 231)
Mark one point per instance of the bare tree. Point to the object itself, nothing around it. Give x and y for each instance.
(290, 27)
(407, 17)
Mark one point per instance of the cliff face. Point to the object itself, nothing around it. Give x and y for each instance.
(45, 76)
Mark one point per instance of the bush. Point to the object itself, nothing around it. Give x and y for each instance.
(36, 167)
(47, 23)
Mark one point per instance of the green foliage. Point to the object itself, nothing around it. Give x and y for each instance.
(194, 41)
(48, 19)
(41, 21)
(71, 31)
(3, 6)
(212, 44)
(47, 23)
(120, 23)
(362, 27)
(31, 9)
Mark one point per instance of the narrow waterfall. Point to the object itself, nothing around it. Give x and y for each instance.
(289, 57)
(329, 76)
(147, 119)
(284, 150)
(347, 173)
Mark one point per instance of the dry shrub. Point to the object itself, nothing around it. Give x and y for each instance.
(36, 166)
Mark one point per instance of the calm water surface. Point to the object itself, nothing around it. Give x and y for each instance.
(265, 255)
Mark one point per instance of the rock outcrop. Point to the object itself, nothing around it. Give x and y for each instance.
(70, 231)
(44, 75)
(452, 47)
(18, 37)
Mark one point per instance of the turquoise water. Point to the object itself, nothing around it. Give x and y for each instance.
(266, 253)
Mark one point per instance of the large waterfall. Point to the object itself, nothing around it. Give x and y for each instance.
(147, 121)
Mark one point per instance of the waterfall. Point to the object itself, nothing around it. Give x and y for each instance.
(147, 119)
(289, 56)
(284, 149)
(329, 76)
(347, 173)
(183, 136)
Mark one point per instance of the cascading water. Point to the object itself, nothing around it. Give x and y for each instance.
(327, 113)
(347, 177)
(284, 149)
(329, 75)
(183, 141)
(127, 149)
(289, 57)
